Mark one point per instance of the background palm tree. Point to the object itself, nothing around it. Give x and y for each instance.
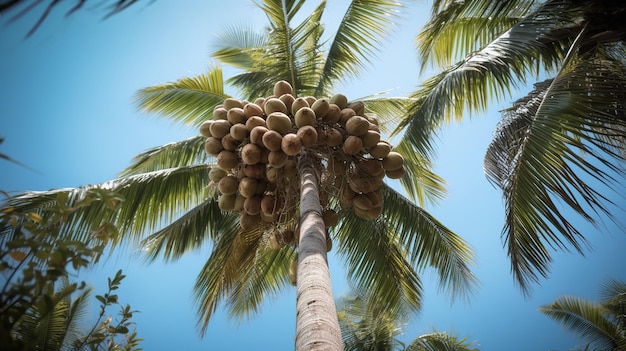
(167, 184)
(601, 325)
(559, 148)
(365, 326)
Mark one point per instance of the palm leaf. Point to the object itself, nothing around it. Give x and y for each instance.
(239, 47)
(178, 154)
(440, 341)
(189, 100)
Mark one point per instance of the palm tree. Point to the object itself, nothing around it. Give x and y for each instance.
(602, 325)
(367, 327)
(168, 184)
(559, 147)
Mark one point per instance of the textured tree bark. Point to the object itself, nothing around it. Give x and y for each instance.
(317, 327)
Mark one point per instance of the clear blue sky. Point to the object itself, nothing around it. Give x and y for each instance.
(66, 111)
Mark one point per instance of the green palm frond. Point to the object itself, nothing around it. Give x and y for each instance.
(546, 141)
(586, 319)
(192, 230)
(177, 154)
(233, 254)
(429, 243)
(441, 341)
(189, 100)
(77, 316)
(266, 277)
(360, 34)
(490, 73)
(458, 28)
(384, 268)
(388, 110)
(239, 47)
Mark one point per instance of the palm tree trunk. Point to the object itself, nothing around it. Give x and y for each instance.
(317, 327)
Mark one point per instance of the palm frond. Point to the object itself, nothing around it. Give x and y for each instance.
(359, 36)
(585, 319)
(171, 155)
(430, 243)
(189, 100)
(239, 47)
(561, 145)
(441, 341)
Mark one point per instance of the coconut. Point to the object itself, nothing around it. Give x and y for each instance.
(346, 195)
(271, 173)
(228, 185)
(357, 125)
(251, 154)
(329, 243)
(330, 217)
(358, 107)
(235, 115)
(393, 161)
(297, 104)
(227, 160)
(288, 100)
(255, 121)
(247, 186)
(308, 135)
(219, 113)
(291, 144)
(370, 138)
(252, 205)
(372, 167)
(269, 204)
(256, 135)
(230, 103)
(279, 122)
(260, 101)
(264, 155)
(251, 110)
(305, 117)
(370, 213)
(364, 184)
(239, 131)
(287, 236)
(333, 115)
(261, 186)
(248, 221)
(346, 114)
(333, 137)
(396, 173)
(380, 150)
(205, 129)
(362, 201)
(274, 105)
(226, 202)
(239, 200)
(376, 197)
(352, 145)
(282, 87)
(321, 107)
(229, 143)
(256, 171)
(277, 158)
(339, 100)
(310, 99)
(215, 174)
(213, 146)
(336, 167)
(321, 136)
(272, 140)
(220, 128)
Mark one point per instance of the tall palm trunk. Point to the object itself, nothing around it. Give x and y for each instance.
(317, 327)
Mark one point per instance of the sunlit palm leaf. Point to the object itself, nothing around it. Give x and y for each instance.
(439, 341)
(239, 47)
(419, 181)
(189, 100)
(586, 319)
(361, 31)
(178, 154)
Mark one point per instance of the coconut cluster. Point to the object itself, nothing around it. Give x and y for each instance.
(257, 144)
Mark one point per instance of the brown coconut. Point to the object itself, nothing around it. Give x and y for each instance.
(336, 167)
(239, 200)
(239, 131)
(205, 129)
(230, 103)
(333, 115)
(277, 158)
(227, 160)
(339, 100)
(274, 105)
(279, 122)
(247, 186)
(220, 128)
(330, 217)
(254, 121)
(219, 113)
(272, 140)
(228, 185)
(251, 154)
(357, 125)
(251, 110)
(297, 104)
(358, 107)
(333, 137)
(346, 114)
(213, 146)
(288, 100)
(396, 173)
(370, 139)
(282, 87)
(305, 117)
(321, 107)
(226, 202)
(252, 205)
(291, 144)
(215, 174)
(308, 135)
(235, 115)
(248, 221)
(269, 204)
(271, 173)
(290, 169)
(256, 171)
(352, 145)
(256, 135)
(372, 167)
(310, 99)
(229, 143)
(393, 161)
(380, 150)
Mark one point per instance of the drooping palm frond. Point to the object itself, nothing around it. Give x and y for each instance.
(189, 100)
(239, 46)
(430, 244)
(490, 73)
(171, 155)
(358, 38)
(441, 341)
(586, 319)
(558, 146)
(458, 28)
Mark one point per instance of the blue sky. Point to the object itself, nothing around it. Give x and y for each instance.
(66, 110)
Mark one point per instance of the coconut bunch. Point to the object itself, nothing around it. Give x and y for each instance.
(257, 144)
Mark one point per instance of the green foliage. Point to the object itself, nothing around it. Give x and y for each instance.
(37, 310)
